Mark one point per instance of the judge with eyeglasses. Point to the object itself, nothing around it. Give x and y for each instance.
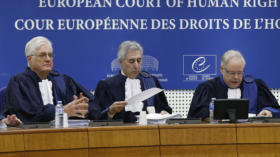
(31, 96)
(232, 83)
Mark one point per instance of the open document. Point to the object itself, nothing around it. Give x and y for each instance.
(157, 118)
(139, 98)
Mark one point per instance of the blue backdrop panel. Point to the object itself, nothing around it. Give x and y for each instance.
(182, 44)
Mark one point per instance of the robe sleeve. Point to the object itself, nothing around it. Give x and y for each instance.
(266, 100)
(25, 101)
(102, 101)
(74, 88)
(199, 107)
(160, 100)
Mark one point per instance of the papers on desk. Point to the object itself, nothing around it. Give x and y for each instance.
(251, 115)
(140, 97)
(157, 118)
(74, 122)
(3, 125)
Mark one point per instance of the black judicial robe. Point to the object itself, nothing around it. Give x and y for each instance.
(23, 96)
(215, 88)
(113, 89)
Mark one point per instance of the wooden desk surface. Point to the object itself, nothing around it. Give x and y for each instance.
(52, 139)
(11, 140)
(197, 134)
(243, 140)
(193, 140)
(258, 133)
(123, 136)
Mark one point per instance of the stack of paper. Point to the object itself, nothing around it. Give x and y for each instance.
(157, 118)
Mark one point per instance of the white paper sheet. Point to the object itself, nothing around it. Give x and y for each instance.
(141, 97)
(157, 118)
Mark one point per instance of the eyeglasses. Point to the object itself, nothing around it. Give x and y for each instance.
(44, 55)
(231, 73)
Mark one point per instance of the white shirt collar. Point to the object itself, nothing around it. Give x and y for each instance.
(46, 91)
(234, 93)
(133, 87)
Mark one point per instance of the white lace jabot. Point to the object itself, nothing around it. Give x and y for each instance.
(133, 87)
(46, 91)
(234, 93)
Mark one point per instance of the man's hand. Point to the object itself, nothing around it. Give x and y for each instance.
(265, 113)
(163, 112)
(78, 107)
(117, 107)
(86, 100)
(12, 120)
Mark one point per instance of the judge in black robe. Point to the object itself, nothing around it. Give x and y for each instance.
(110, 94)
(216, 88)
(261, 100)
(23, 97)
(31, 102)
(113, 89)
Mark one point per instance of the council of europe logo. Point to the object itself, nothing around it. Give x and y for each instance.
(149, 63)
(199, 64)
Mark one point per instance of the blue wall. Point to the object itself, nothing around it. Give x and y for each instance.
(180, 57)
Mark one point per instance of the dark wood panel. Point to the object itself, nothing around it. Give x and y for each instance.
(258, 150)
(55, 139)
(11, 142)
(125, 152)
(197, 134)
(258, 133)
(199, 151)
(123, 136)
(13, 154)
(58, 153)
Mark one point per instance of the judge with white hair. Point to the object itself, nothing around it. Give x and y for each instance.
(31, 96)
(232, 83)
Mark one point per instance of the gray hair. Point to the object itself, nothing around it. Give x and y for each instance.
(128, 46)
(36, 42)
(231, 54)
